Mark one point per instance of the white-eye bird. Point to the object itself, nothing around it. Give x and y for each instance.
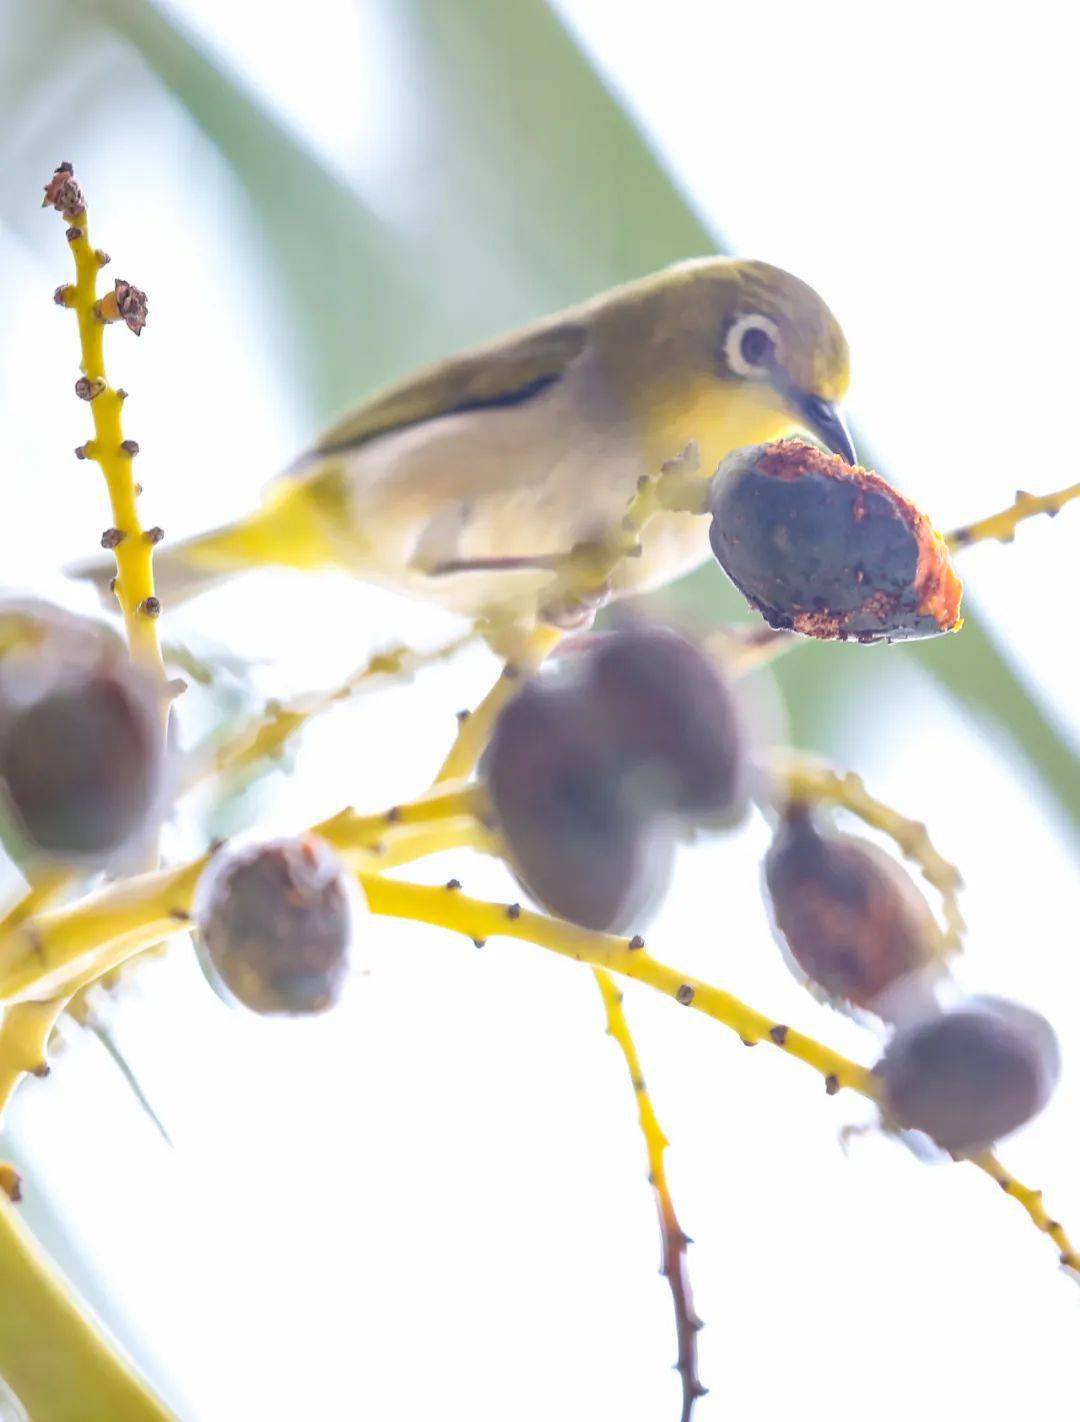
(525, 446)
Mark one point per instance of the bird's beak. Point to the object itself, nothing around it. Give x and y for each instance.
(823, 419)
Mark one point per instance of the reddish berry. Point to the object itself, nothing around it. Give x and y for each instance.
(850, 917)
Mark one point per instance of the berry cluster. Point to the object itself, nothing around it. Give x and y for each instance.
(594, 767)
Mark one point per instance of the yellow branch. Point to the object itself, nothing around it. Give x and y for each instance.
(1031, 1202)
(132, 545)
(479, 920)
(266, 736)
(64, 949)
(673, 1239)
(25, 1029)
(53, 1355)
(48, 885)
(1002, 525)
(59, 952)
(475, 729)
(801, 778)
(348, 831)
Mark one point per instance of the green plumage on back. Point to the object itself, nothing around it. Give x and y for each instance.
(504, 372)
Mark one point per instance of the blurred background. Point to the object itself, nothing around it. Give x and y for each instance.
(434, 1198)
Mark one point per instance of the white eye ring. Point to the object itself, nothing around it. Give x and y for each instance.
(733, 343)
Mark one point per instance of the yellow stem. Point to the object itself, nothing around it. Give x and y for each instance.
(134, 553)
(479, 920)
(25, 1029)
(801, 778)
(348, 831)
(59, 952)
(53, 1355)
(412, 842)
(46, 888)
(62, 950)
(475, 730)
(1002, 525)
(1032, 1203)
(266, 736)
(673, 1239)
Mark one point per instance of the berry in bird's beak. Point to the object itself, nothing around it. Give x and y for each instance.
(829, 550)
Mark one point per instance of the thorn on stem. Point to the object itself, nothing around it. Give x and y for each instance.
(778, 1034)
(453, 884)
(154, 535)
(129, 447)
(832, 1084)
(11, 1182)
(88, 389)
(685, 994)
(112, 538)
(124, 303)
(150, 607)
(637, 942)
(63, 192)
(513, 911)
(63, 294)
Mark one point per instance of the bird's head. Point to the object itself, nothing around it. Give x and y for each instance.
(756, 337)
(779, 333)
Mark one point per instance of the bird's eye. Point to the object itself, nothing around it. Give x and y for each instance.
(752, 346)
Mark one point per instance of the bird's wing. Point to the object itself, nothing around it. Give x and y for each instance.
(506, 372)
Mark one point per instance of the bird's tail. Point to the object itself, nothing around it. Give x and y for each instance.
(288, 532)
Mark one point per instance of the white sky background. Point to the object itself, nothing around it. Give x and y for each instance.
(442, 1182)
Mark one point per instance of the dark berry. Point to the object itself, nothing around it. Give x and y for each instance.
(827, 549)
(575, 837)
(81, 748)
(675, 720)
(274, 925)
(971, 1076)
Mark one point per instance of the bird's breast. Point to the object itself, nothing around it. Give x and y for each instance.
(533, 479)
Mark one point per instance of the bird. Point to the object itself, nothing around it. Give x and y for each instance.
(456, 483)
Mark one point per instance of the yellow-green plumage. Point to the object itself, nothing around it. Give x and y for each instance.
(526, 445)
